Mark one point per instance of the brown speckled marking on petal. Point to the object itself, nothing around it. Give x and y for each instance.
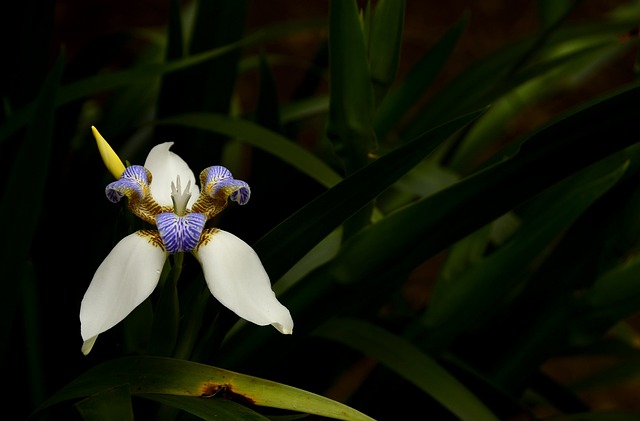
(209, 206)
(205, 237)
(146, 209)
(153, 237)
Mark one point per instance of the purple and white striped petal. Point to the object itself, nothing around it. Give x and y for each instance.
(237, 190)
(217, 182)
(133, 183)
(213, 175)
(180, 233)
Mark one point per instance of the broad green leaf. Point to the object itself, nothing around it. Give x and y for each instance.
(410, 363)
(262, 138)
(213, 409)
(166, 376)
(107, 405)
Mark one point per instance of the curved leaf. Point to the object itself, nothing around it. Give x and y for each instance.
(262, 138)
(166, 376)
(410, 363)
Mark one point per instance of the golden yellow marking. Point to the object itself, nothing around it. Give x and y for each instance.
(152, 237)
(206, 236)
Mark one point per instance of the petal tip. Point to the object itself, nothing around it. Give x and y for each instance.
(87, 345)
(285, 330)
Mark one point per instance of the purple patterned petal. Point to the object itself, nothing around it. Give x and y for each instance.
(239, 190)
(134, 182)
(214, 175)
(180, 233)
(218, 181)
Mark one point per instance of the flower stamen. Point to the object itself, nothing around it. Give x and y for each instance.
(180, 197)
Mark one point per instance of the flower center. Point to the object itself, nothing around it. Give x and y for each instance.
(180, 233)
(179, 197)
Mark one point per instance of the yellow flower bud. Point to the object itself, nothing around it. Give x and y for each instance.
(109, 157)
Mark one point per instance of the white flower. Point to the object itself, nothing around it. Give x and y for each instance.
(129, 274)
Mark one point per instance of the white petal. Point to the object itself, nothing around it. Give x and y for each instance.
(165, 166)
(125, 279)
(237, 279)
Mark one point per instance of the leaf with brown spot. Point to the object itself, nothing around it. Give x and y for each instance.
(147, 375)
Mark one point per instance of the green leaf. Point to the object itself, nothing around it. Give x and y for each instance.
(104, 82)
(384, 45)
(616, 294)
(107, 405)
(564, 70)
(501, 71)
(289, 241)
(304, 108)
(408, 362)
(400, 100)
(213, 409)
(166, 376)
(460, 301)
(552, 11)
(366, 265)
(443, 218)
(350, 125)
(262, 138)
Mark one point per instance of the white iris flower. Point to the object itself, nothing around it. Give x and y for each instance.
(160, 194)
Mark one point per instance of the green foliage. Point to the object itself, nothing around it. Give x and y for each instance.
(505, 193)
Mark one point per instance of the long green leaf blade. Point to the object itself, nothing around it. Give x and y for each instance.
(410, 363)
(262, 138)
(384, 45)
(157, 375)
(350, 125)
(289, 241)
